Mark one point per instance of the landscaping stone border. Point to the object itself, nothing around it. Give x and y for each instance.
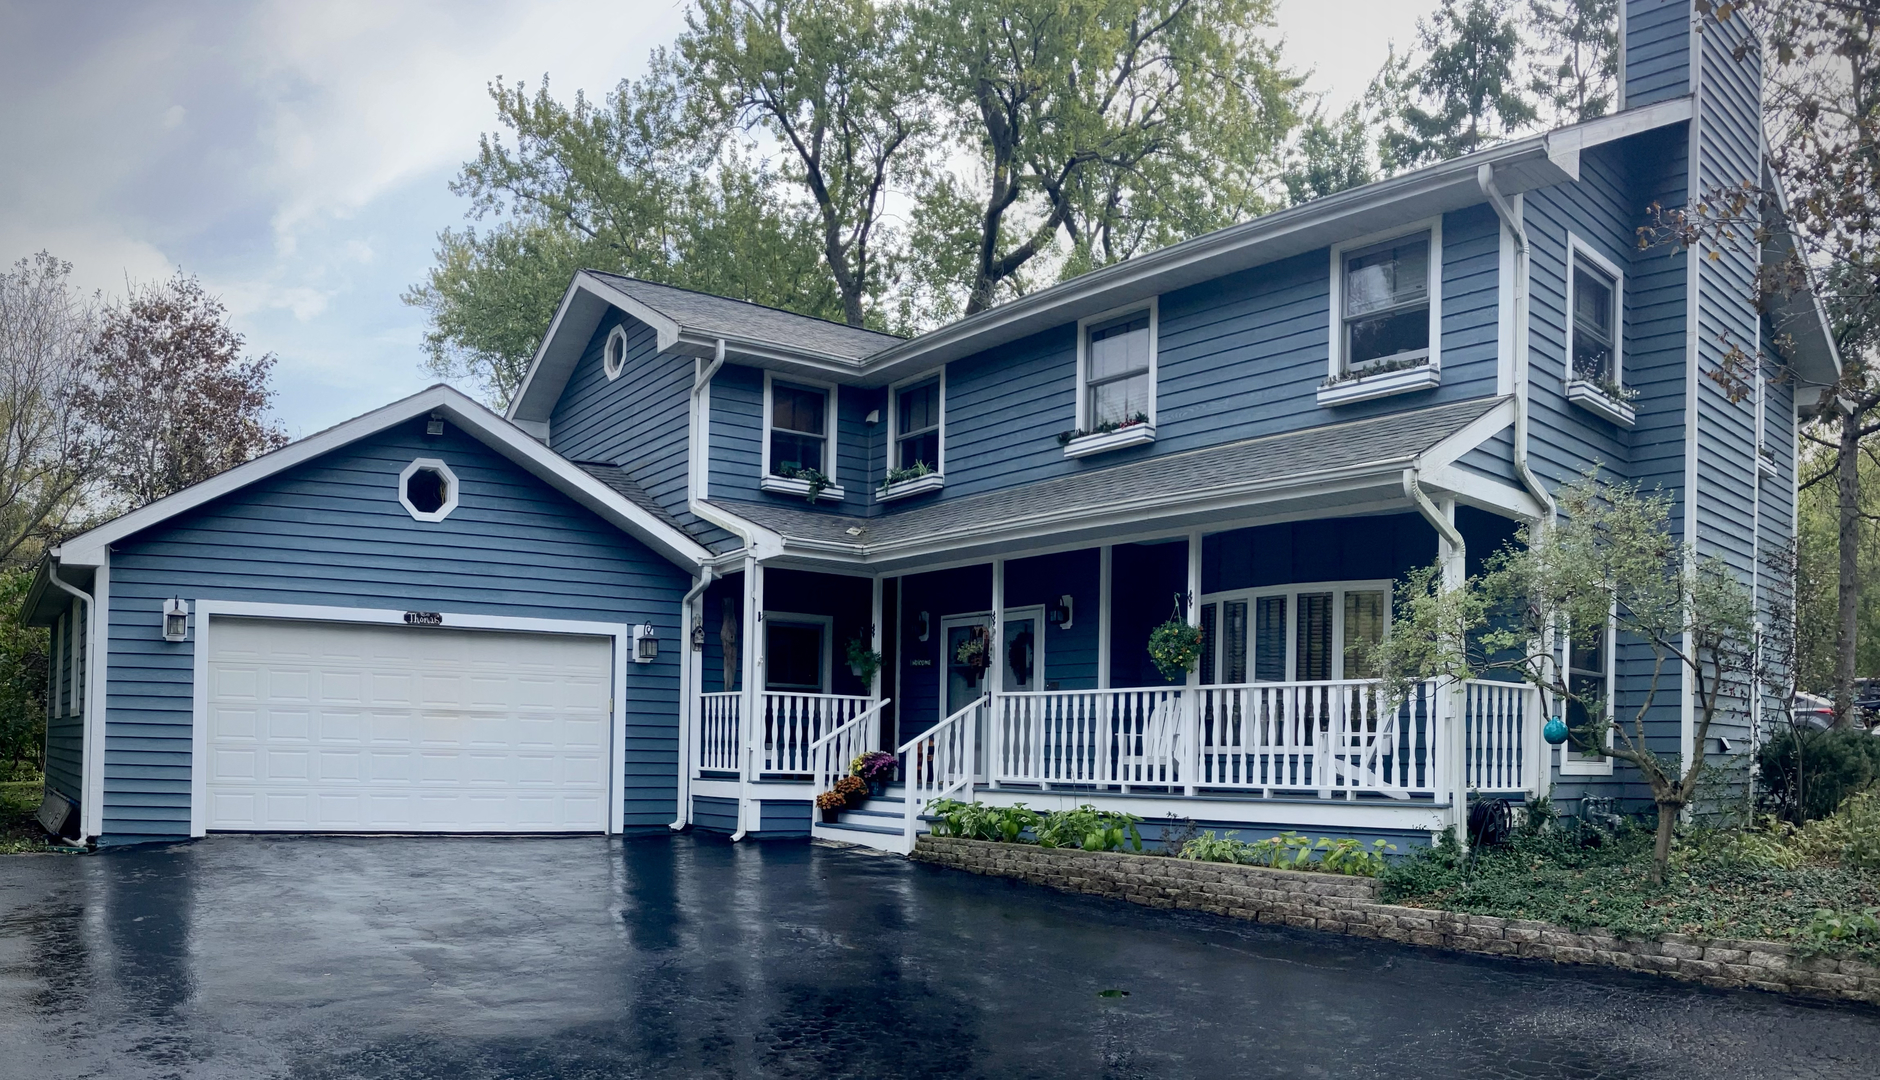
(1349, 905)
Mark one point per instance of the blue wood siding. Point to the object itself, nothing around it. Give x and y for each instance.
(1070, 656)
(638, 421)
(714, 814)
(783, 817)
(959, 591)
(1328, 549)
(332, 532)
(847, 600)
(1657, 50)
(736, 453)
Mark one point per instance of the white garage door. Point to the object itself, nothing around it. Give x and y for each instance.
(329, 727)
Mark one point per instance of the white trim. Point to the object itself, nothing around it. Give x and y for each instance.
(1590, 397)
(89, 548)
(830, 417)
(1103, 442)
(206, 609)
(1578, 248)
(827, 624)
(1383, 384)
(905, 488)
(1601, 766)
(451, 490)
(894, 424)
(611, 365)
(1105, 560)
(1335, 353)
(1693, 168)
(1153, 306)
(1505, 313)
(779, 485)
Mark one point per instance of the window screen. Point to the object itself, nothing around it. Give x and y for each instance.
(1118, 372)
(798, 416)
(1387, 302)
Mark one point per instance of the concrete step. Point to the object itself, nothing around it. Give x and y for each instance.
(863, 826)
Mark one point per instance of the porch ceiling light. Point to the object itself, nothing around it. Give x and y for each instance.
(175, 619)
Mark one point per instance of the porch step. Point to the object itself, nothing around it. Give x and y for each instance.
(877, 837)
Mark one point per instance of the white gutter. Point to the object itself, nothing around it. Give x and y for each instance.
(762, 542)
(1485, 178)
(687, 697)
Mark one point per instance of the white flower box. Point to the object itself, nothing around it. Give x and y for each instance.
(1590, 397)
(778, 485)
(1133, 435)
(916, 486)
(1383, 384)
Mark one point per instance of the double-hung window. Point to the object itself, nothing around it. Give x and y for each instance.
(1118, 373)
(1593, 330)
(1385, 302)
(1589, 709)
(917, 425)
(799, 425)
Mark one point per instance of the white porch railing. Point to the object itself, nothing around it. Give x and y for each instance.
(793, 723)
(830, 754)
(1323, 739)
(938, 763)
(719, 744)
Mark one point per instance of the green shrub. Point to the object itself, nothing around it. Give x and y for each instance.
(1206, 848)
(1291, 851)
(1089, 828)
(977, 821)
(1834, 765)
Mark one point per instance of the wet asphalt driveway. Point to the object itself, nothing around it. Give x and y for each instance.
(384, 957)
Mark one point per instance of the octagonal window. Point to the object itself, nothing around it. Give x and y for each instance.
(428, 489)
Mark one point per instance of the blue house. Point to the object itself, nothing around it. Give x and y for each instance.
(646, 596)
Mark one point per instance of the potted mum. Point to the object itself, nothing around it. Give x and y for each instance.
(876, 769)
(831, 804)
(852, 789)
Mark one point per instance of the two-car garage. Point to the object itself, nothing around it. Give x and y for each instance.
(341, 727)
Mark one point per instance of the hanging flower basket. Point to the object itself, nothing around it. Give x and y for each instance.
(1175, 646)
(973, 655)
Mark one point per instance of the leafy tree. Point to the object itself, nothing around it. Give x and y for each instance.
(47, 336)
(1330, 155)
(629, 187)
(1611, 556)
(1576, 74)
(1816, 229)
(173, 400)
(23, 670)
(832, 82)
(1120, 126)
(1464, 93)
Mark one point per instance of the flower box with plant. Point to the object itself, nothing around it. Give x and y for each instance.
(916, 478)
(1603, 397)
(812, 484)
(1383, 378)
(1175, 646)
(1109, 435)
(876, 768)
(863, 661)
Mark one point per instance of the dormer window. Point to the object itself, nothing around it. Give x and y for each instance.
(1386, 318)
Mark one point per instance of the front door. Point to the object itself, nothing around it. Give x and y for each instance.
(966, 682)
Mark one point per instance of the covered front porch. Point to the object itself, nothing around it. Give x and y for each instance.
(1278, 727)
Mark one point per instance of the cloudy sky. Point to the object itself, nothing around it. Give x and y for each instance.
(296, 156)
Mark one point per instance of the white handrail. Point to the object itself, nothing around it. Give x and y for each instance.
(946, 766)
(830, 754)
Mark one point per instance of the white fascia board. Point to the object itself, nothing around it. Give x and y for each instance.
(90, 548)
(1818, 358)
(1564, 145)
(1482, 492)
(582, 308)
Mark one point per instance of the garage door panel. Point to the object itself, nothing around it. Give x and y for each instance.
(328, 727)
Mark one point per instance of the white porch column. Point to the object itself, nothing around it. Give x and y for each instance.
(1455, 566)
(872, 739)
(1191, 699)
(753, 701)
(1103, 617)
(995, 683)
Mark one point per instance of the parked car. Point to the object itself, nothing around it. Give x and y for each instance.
(1813, 710)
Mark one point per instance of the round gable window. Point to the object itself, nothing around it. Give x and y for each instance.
(614, 353)
(428, 489)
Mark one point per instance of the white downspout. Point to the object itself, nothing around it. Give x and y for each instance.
(688, 697)
(85, 827)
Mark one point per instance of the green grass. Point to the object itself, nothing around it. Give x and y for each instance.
(1709, 893)
(19, 833)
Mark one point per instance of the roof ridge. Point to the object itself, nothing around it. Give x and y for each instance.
(748, 303)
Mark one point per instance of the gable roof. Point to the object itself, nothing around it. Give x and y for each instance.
(631, 517)
(744, 321)
(1342, 462)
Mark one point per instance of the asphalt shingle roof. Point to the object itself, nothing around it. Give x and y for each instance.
(1170, 479)
(739, 318)
(714, 538)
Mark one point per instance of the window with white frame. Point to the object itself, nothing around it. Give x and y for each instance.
(796, 655)
(1118, 370)
(916, 419)
(798, 435)
(1385, 304)
(1595, 332)
(1302, 633)
(614, 353)
(1590, 681)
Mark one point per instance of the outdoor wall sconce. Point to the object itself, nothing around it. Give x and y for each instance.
(175, 619)
(1059, 614)
(645, 644)
(925, 625)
